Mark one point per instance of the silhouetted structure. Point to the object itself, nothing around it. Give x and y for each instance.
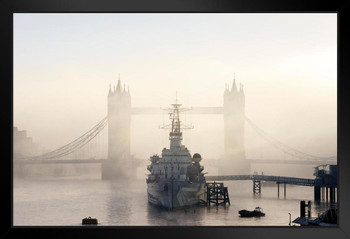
(217, 194)
(326, 180)
(22, 144)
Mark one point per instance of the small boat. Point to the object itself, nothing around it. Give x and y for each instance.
(257, 212)
(89, 220)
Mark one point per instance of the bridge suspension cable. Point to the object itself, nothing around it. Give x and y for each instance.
(74, 145)
(285, 148)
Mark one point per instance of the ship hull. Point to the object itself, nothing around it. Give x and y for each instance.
(175, 194)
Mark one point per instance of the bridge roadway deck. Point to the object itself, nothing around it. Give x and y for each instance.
(277, 179)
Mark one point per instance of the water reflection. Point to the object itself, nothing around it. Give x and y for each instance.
(188, 216)
(119, 203)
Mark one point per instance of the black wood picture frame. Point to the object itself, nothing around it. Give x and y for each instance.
(342, 8)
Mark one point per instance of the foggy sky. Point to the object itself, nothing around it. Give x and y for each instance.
(64, 63)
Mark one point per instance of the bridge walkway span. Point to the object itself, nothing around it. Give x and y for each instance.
(277, 179)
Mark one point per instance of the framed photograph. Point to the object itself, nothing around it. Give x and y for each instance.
(176, 119)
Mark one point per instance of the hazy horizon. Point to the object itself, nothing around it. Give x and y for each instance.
(64, 64)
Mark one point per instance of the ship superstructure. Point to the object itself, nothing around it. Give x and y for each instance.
(176, 178)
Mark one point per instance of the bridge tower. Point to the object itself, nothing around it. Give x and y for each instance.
(234, 160)
(118, 163)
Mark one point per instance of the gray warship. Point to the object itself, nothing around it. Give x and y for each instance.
(176, 179)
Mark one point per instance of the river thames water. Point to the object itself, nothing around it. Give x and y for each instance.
(66, 200)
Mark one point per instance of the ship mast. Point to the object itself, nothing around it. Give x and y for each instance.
(175, 135)
(175, 121)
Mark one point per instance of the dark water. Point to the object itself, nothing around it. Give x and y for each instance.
(65, 201)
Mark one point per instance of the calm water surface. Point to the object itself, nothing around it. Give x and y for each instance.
(65, 201)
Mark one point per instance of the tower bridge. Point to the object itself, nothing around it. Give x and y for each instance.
(119, 160)
(119, 115)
